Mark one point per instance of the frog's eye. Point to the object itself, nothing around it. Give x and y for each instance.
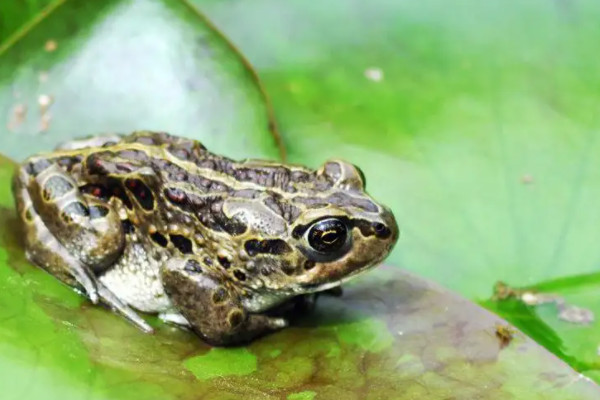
(327, 235)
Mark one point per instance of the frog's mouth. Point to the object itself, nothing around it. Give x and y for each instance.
(322, 286)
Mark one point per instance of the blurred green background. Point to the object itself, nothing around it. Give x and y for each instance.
(475, 121)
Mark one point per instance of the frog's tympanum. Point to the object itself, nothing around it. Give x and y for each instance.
(156, 223)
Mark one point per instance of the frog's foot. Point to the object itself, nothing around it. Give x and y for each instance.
(211, 306)
(109, 299)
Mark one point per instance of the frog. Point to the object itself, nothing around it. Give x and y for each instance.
(154, 223)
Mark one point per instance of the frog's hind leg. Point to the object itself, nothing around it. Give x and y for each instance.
(87, 226)
(44, 250)
(43, 246)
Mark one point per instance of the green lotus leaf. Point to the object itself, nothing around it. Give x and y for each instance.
(439, 113)
(391, 335)
(90, 67)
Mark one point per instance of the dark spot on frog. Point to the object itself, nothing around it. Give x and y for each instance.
(219, 295)
(309, 264)
(235, 318)
(239, 275)
(288, 268)
(182, 243)
(127, 226)
(141, 192)
(192, 265)
(224, 261)
(96, 165)
(207, 261)
(159, 239)
(29, 214)
(97, 191)
(233, 226)
(267, 246)
(115, 189)
(175, 196)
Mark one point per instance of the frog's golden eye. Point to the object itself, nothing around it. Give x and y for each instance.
(328, 235)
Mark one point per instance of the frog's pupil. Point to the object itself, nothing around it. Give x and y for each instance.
(328, 235)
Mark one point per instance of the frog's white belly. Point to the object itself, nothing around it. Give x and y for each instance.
(135, 280)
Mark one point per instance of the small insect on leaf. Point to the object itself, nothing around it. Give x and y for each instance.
(505, 334)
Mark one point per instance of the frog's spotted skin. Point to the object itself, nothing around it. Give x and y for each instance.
(159, 224)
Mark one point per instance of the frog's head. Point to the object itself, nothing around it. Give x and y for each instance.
(341, 231)
(324, 231)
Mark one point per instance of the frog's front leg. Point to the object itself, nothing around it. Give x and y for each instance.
(213, 308)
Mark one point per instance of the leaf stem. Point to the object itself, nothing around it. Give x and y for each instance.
(28, 26)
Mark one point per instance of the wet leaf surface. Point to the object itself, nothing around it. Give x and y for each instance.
(563, 318)
(391, 335)
(90, 67)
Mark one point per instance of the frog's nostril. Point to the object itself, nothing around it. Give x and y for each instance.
(381, 231)
(379, 227)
